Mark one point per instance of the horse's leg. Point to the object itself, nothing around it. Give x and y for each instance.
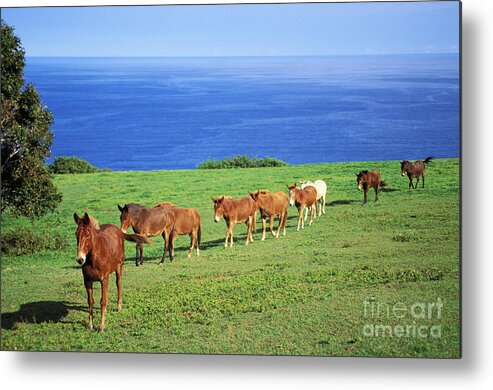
(104, 301)
(323, 204)
(313, 211)
(90, 301)
(232, 225)
(264, 223)
(119, 274)
(141, 248)
(284, 220)
(281, 217)
(271, 225)
(166, 242)
(192, 243)
(306, 214)
(365, 199)
(423, 181)
(227, 235)
(417, 181)
(254, 221)
(249, 229)
(300, 219)
(137, 251)
(376, 193)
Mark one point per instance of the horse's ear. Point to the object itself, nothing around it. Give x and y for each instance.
(357, 174)
(220, 199)
(77, 219)
(214, 199)
(86, 219)
(120, 208)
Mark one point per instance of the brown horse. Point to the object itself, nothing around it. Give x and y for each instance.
(367, 180)
(272, 204)
(234, 211)
(187, 221)
(100, 252)
(149, 222)
(415, 171)
(302, 198)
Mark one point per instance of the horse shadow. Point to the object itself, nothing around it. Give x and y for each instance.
(342, 202)
(38, 313)
(384, 189)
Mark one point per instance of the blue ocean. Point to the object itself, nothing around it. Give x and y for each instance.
(173, 113)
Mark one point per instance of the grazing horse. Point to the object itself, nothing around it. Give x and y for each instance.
(367, 180)
(149, 222)
(234, 211)
(100, 252)
(187, 221)
(415, 171)
(271, 204)
(321, 188)
(302, 198)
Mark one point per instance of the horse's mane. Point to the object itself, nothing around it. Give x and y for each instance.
(94, 222)
(165, 204)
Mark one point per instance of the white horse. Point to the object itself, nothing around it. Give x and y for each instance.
(321, 188)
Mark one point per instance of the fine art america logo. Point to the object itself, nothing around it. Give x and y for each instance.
(416, 320)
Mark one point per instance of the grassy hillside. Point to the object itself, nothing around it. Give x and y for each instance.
(310, 293)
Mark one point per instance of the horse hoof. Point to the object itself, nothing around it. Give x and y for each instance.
(90, 328)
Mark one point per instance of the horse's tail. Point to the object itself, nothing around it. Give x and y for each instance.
(428, 160)
(199, 233)
(137, 238)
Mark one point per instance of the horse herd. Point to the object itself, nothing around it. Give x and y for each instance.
(100, 248)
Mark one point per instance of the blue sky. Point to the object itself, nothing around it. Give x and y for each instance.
(237, 30)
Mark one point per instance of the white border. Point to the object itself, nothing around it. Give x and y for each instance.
(126, 371)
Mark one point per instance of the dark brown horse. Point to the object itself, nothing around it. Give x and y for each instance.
(187, 221)
(302, 198)
(235, 211)
(367, 180)
(149, 222)
(415, 171)
(100, 252)
(272, 204)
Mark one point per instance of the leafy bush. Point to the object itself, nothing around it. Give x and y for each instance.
(242, 162)
(62, 165)
(27, 241)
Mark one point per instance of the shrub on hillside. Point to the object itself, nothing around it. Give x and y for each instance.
(241, 162)
(62, 165)
(26, 241)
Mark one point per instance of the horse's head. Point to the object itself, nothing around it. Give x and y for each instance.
(404, 167)
(218, 208)
(125, 218)
(84, 234)
(293, 190)
(361, 179)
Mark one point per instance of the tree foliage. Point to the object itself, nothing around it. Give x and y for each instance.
(26, 138)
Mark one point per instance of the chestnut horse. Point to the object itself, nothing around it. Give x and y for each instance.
(100, 252)
(187, 221)
(415, 171)
(272, 204)
(302, 198)
(321, 188)
(234, 211)
(367, 180)
(149, 222)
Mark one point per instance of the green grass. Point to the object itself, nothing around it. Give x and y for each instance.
(303, 294)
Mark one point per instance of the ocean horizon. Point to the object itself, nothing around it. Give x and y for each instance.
(151, 113)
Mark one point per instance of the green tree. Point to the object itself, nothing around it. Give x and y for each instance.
(27, 186)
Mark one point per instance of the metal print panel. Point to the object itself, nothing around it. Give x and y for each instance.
(262, 179)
